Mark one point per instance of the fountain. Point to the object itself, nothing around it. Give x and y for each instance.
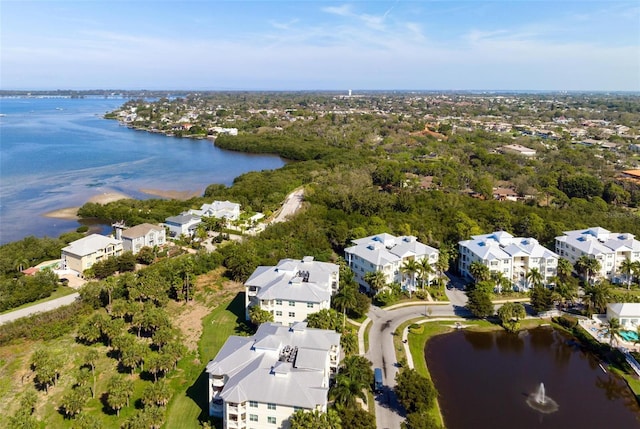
(539, 401)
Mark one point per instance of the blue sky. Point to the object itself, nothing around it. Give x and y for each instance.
(320, 45)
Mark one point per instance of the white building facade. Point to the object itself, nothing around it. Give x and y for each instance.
(609, 248)
(139, 236)
(293, 289)
(512, 256)
(260, 381)
(387, 253)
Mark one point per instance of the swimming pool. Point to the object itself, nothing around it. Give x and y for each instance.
(629, 335)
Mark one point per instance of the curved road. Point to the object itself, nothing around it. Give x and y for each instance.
(381, 353)
(38, 308)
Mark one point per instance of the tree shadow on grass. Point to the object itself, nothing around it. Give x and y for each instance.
(236, 306)
(198, 392)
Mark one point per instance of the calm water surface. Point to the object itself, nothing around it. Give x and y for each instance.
(57, 152)
(484, 380)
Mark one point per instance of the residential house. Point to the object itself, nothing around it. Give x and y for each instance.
(261, 380)
(387, 254)
(139, 236)
(609, 248)
(511, 256)
(218, 209)
(505, 194)
(81, 254)
(627, 313)
(293, 289)
(183, 224)
(518, 150)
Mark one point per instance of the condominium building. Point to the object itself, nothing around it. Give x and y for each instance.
(81, 254)
(512, 256)
(387, 253)
(260, 381)
(609, 248)
(293, 289)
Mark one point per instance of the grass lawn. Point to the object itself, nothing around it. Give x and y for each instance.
(58, 293)
(189, 405)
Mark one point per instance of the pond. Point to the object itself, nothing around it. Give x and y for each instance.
(485, 379)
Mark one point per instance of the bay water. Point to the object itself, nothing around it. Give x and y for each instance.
(59, 152)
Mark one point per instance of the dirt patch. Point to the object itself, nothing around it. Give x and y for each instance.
(210, 289)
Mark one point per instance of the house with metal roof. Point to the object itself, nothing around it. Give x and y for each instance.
(184, 224)
(627, 313)
(387, 253)
(218, 209)
(81, 254)
(511, 256)
(293, 289)
(139, 236)
(609, 248)
(260, 381)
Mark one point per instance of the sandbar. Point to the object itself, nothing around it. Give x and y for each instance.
(71, 213)
(172, 194)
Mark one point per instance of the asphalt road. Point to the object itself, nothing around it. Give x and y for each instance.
(38, 308)
(389, 413)
(291, 205)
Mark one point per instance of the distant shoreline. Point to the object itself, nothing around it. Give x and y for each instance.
(71, 213)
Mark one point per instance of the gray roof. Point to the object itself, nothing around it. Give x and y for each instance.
(90, 244)
(625, 309)
(502, 245)
(295, 280)
(596, 241)
(258, 372)
(140, 230)
(182, 219)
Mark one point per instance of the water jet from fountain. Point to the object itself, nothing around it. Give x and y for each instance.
(540, 402)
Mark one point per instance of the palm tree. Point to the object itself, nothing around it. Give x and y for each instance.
(534, 276)
(626, 267)
(564, 268)
(500, 281)
(346, 390)
(614, 329)
(442, 264)
(587, 266)
(479, 271)
(345, 299)
(636, 270)
(410, 267)
(376, 280)
(424, 271)
(598, 296)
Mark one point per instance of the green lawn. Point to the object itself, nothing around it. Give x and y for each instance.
(189, 405)
(58, 293)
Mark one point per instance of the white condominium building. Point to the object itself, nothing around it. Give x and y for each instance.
(260, 381)
(387, 253)
(609, 248)
(293, 289)
(512, 256)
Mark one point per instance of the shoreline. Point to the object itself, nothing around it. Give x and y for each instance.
(71, 213)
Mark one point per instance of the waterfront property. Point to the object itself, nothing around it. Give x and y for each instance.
(293, 289)
(260, 381)
(513, 257)
(139, 236)
(387, 254)
(218, 209)
(81, 254)
(627, 313)
(184, 224)
(610, 249)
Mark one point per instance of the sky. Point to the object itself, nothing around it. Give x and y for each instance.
(553, 45)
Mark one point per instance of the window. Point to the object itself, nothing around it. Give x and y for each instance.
(278, 302)
(271, 420)
(292, 314)
(253, 404)
(253, 417)
(292, 303)
(309, 304)
(271, 406)
(278, 313)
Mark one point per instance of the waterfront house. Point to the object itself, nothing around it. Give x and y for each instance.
(81, 254)
(511, 256)
(218, 209)
(387, 254)
(261, 380)
(293, 289)
(184, 224)
(139, 236)
(610, 249)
